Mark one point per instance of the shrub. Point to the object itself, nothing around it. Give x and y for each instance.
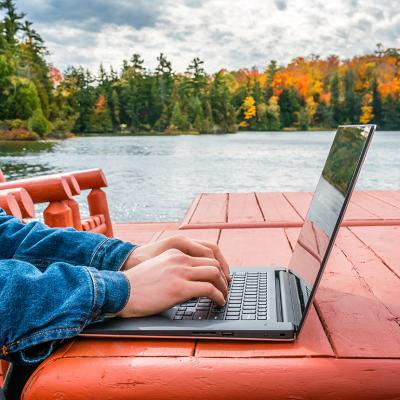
(18, 134)
(16, 124)
(38, 123)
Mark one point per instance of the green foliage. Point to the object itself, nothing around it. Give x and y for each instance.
(25, 100)
(308, 92)
(38, 123)
(16, 124)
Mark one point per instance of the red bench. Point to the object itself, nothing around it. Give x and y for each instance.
(63, 211)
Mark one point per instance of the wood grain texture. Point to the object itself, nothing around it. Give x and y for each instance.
(212, 207)
(276, 208)
(243, 207)
(197, 378)
(357, 323)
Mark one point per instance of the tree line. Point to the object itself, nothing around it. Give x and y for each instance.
(308, 93)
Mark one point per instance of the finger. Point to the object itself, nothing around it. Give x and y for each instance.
(218, 255)
(194, 248)
(209, 274)
(201, 261)
(206, 289)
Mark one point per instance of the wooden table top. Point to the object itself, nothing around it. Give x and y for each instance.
(349, 346)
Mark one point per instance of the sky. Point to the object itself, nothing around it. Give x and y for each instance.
(228, 34)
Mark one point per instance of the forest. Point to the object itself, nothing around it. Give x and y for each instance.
(38, 101)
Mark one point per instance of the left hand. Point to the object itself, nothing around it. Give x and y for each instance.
(191, 247)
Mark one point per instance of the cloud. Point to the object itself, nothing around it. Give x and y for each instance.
(94, 14)
(224, 33)
(281, 4)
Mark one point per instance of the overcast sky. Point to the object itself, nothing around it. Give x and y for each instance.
(224, 33)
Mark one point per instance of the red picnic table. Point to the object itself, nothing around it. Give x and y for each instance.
(350, 344)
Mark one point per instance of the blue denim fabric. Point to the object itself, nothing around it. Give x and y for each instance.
(54, 282)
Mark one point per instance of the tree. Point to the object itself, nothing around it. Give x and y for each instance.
(179, 120)
(376, 103)
(223, 114)
(289, 104)
(337, 111)
(11, 21)
(249, 109)
(351, 108)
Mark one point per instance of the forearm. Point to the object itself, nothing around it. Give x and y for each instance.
(37, 244)
(39, 308)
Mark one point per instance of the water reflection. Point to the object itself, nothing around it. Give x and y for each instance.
(13, 148)
(328, 201)
(22, 170)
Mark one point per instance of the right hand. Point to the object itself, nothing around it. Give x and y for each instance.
(172, 278)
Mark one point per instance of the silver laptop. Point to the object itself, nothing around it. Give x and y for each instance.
(269, 303)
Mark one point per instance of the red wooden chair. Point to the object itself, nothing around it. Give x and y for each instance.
(63, 211)
(17, 202)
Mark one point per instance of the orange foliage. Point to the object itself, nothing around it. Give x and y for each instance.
(100, 104)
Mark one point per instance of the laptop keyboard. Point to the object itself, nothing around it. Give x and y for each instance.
(247, 300)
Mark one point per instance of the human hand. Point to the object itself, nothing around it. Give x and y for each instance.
(172, 278)
(191, 247)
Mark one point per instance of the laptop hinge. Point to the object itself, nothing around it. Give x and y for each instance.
(297, 298)
(285, 296)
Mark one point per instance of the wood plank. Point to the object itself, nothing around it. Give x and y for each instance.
(384, 242)
(379, 279)
(355, 212)
(243, 207)
(176, 378)
(141, 233)
(312, 342)
(98, 347)
(189, 213)
(357, 323)
(376, 206)
(212, 207)
(276, 208)
(300, 201)
(255, 246)
(392, 197)
(210, 235)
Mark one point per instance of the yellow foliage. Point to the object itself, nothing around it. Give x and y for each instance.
(366, 109)
(249, 107)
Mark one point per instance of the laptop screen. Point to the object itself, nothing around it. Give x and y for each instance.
(329, 203)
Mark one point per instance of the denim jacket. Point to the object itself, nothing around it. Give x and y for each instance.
(54, 282)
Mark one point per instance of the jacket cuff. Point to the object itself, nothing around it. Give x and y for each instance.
(111, 254)
(112, 291)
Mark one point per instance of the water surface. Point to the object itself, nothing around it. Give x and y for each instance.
(154, 178)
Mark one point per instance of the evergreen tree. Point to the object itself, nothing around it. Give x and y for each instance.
(12, 21)
(336, 108)
(391, 120)
(289, 104)
(376, 103)
(352, 103)
(272, 69)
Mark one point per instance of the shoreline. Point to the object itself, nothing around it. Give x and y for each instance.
(161, 134)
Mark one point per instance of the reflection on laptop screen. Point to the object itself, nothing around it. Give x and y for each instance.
(328, 201)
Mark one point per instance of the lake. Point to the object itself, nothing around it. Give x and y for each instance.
(155, 178)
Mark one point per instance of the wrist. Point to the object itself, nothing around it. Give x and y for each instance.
(133, 260)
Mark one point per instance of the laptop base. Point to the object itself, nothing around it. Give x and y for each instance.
(279, 324)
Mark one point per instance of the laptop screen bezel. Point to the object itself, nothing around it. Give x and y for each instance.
(335, 232)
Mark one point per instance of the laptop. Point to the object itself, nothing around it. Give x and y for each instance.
(269, 303)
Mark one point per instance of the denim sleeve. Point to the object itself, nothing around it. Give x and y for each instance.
(39, 245)
(40, 308)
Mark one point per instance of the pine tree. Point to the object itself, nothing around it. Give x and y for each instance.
(289, 104)
(352, 103)
(336, 107)
(376, 103)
